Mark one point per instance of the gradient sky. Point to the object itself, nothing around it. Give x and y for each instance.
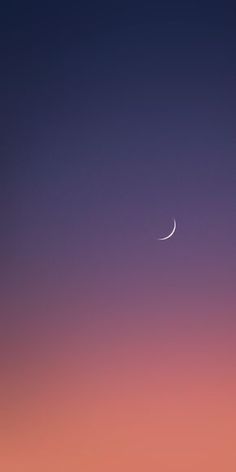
(117, 350)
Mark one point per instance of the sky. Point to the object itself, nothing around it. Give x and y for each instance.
(117, 351)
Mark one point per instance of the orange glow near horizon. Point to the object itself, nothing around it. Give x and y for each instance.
(136, 407)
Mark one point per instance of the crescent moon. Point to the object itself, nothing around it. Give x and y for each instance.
(169, 235)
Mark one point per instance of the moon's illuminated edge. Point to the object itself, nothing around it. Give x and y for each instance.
(169, 235)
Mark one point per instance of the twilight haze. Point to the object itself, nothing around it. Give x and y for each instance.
(118, 351)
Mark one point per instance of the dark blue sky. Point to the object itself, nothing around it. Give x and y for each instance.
(117, 119)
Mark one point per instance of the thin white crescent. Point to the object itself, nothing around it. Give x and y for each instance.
(169, 235)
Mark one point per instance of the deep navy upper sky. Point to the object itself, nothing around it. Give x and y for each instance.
(117, 119)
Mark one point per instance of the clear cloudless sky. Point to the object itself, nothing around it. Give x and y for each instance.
(118, 350)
